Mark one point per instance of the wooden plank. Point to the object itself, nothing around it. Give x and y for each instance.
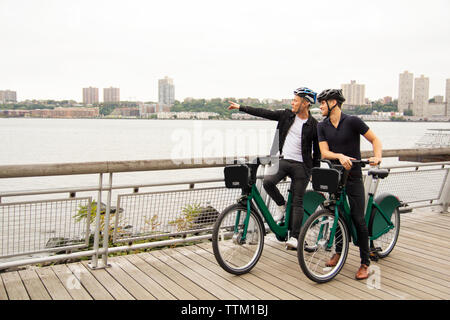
(425, 237)
(342, 287)
(238, 280)
(52, 284)
(89, 282)
(406, 277)
(144, 280)
(179, 278)
(3, 294)
(279, 270)
(71, 282)
(33, 285)
(270, 282)
(14, 286)
(173, 289)
(419, 259)
(112, 286)
(334, 289)
(188, 259)
(409, 241)
(205, 283)
(284, 289)
(428, 231)
(416, 271)
(127, 282)
(406, 290)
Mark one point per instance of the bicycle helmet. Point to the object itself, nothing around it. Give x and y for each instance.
(331, 94)
(306, 93)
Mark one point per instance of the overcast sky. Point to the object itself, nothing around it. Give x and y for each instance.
(234, 48)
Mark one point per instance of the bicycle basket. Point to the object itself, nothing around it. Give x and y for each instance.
(237, 176)
(325, 179)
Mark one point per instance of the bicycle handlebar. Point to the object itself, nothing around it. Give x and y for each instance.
(362, 162)
(265, 160)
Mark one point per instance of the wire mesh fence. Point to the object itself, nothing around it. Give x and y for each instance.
(39, 226)
(413, 186)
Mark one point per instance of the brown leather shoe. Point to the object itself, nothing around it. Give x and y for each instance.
(363, 272)
(333, 261)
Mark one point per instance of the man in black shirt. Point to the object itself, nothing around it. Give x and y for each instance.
(299, 146)
(339, 139)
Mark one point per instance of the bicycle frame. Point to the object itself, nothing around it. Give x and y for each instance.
(311, 201)
(343, 206)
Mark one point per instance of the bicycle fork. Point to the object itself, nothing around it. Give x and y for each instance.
(240, 238)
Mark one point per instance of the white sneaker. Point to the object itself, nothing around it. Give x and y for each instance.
(279, 213)
(291, 243)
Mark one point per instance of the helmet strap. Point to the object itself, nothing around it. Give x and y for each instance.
(330, 109)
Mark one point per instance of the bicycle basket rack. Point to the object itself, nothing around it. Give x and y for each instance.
(237, 176)
(325, 179)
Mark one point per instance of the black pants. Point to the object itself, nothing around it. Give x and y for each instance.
(356, 199)
(299, 175)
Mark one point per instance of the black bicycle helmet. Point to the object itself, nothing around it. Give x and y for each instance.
(306, 93)
(331, 94)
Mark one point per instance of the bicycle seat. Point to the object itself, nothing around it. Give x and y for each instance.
(379, 173)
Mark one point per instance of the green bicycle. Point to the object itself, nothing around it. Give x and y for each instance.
(329, 231)
(238, 233)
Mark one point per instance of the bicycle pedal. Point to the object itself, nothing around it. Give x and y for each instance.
(374, 256)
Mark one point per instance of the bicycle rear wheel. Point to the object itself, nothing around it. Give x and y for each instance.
(315, 234)
(386, 242)
(237, 250)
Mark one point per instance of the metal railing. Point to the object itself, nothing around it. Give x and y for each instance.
(138, 216)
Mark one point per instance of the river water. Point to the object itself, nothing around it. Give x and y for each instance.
(33, 141)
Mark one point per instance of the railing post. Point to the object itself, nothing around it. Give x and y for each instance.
(107, 216)
(94, 262)
(445, 194)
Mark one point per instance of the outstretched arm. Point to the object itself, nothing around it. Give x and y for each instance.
(259, 112)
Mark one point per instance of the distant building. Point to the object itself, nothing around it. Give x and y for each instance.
(438, 99)
(90, 95)
(166, 92)
(146, 109)
(387, 100)
(421, 94)
(8, 96)
(405, 91)
(111, 95)
(126, 112)
(66, 113)
(354, 93)
(187, 115)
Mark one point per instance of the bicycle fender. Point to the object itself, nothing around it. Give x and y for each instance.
(387, 203)
(311, 200)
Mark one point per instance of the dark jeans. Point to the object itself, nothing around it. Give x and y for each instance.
(299, 175)
(356, 199)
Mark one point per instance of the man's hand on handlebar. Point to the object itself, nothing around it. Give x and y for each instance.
(374, 161)
(346, 161)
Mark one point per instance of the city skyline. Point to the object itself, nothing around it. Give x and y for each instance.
(212, 49)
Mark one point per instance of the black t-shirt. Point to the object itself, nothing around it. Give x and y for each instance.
(345, 138)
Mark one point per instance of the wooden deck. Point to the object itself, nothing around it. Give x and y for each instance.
(418, 268)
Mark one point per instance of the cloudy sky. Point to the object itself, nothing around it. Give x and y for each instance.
(234, 48)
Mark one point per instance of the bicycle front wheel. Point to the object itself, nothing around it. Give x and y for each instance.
(237, 248)
(314, 252)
